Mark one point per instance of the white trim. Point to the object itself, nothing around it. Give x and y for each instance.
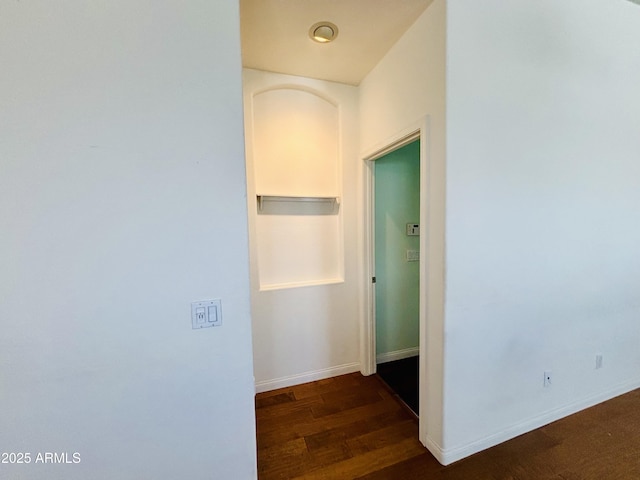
(306, 377)
(435, 449)
(397, 355)
(399, 140)
(425, 385)
(448, 456)
(368, 333)
(413, 132)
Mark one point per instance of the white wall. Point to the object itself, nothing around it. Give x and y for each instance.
(312, 331)
(543, 272)
(406, 86)
(122, 199)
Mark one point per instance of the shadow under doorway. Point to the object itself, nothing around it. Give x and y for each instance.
(402, 377)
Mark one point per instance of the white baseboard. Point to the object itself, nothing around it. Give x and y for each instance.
(282, 382)
(398, 355)
(449, 455)
(436, 450)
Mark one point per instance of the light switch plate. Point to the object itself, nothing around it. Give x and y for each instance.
(413, 229)
(413, 255)
(206, 313)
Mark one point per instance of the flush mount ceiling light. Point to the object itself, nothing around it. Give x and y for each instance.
(323, 32)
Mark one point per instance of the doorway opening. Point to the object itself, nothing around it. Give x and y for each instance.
(417, 132)
(396, 254)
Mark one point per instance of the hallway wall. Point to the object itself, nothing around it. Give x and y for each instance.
(404, 88)
(122, 200)
(543, 189)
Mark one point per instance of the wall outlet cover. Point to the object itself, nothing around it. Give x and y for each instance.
(206, 313)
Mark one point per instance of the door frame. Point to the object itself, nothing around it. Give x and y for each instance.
(418, 130)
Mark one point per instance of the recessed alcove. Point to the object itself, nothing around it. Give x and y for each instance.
(296, 167)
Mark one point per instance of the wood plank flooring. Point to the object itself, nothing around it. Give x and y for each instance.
(352, 427)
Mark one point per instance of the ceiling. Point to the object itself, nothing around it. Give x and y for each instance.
(275, 35)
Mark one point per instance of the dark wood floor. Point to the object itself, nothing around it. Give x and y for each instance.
(352, 427)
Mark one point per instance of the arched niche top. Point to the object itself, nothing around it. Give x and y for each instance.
(303, 88)
(295, 137)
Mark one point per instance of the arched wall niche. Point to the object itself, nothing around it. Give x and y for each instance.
(296, 157)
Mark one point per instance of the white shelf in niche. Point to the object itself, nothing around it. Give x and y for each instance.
(310, 283)
(299, 241)
(327, 204)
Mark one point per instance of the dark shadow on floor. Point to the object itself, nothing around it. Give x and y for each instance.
(402, 377)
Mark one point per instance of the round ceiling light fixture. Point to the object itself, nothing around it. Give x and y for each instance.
(323, 32)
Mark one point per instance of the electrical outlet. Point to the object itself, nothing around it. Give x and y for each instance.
(598, 361)
(547, 379)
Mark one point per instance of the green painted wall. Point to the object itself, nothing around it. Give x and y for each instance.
(397, 202)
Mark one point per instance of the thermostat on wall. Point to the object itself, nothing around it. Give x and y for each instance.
(413, 229)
